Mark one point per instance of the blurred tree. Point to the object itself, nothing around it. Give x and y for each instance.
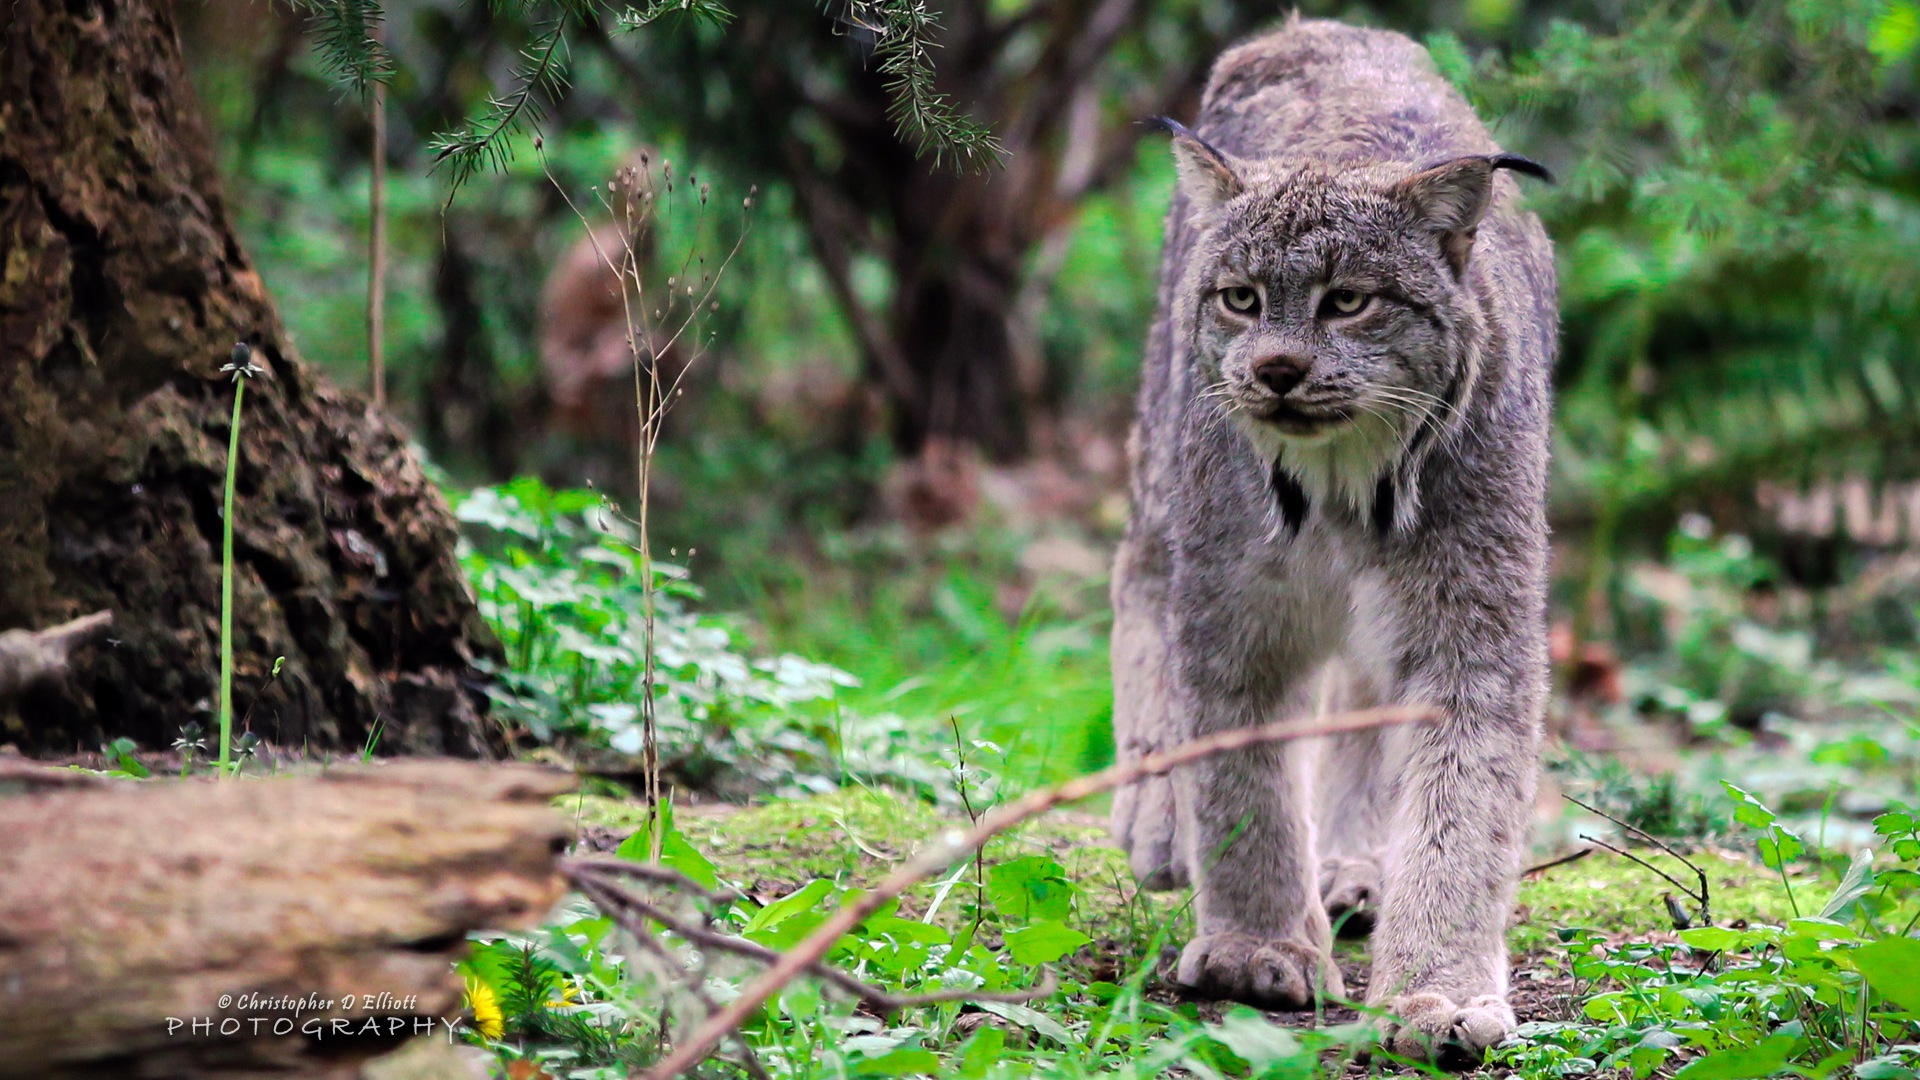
(1063, 86)
(124, 289)
(1739, 237)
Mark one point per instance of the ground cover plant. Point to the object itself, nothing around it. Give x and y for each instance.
(1805, 967)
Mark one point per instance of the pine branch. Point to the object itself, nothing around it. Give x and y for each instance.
(347, 36)
(711, 12)
(486, 140)
(920, 113)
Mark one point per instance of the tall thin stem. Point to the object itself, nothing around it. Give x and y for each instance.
(377, 250)
(226, 579)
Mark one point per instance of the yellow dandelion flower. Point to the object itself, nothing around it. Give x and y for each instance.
(484, 1004)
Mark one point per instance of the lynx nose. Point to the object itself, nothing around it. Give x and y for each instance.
(1280, 373)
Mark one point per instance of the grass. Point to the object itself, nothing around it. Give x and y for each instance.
(1603, 978)
(882, 691)
(935, 632)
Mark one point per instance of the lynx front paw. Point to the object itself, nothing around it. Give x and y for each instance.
(1349, 889)
(1435, 1026)
(1265, 972)
(1143, 826)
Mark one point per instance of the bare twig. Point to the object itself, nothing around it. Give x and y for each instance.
(938, 854)
(27, 656)
(1670, 879)
(1701, 897)
(1561, 861)
(650, 336)
(623, 903)
(609, 901)
(650, 872)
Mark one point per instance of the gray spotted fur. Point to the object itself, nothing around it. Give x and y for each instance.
(1401, 558)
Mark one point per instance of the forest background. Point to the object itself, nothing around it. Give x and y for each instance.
(904, 261)
(901, 442)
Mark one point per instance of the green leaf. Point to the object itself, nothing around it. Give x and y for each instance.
(1747, 1063)
(1253, 1038)
(1899, 879)
(981, 1051)
(802, 1000)
(1892, 967)
(1857, 882)
(1780, 847)
(1043, 943)
(911, 931)
(1893, 823)
(1033, 1020)
(802, 899)
(675, 852)
(1884, 1068)
(1717, 938)
(1030, 889)
(1821, 928)
(1896, 34)
(900, 1063)
(1747, 810)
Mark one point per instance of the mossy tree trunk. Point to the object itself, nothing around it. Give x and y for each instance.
(122, 291)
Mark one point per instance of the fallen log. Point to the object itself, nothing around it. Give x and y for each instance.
(291, 925)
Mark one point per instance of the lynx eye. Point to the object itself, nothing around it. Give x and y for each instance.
(1345, 302)
(1240, 300)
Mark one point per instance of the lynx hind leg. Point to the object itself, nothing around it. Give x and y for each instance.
(1143, 812)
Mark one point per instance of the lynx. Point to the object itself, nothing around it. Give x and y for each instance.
(1339, 473)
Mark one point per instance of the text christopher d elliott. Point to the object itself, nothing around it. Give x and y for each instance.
(383, 1014)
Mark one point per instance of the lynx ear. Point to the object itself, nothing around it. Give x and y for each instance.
(1453, 196)
(1206, 175)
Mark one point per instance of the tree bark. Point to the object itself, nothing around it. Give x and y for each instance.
(122, 291)
(128, 911)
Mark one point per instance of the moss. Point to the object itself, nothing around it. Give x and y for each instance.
(1613, 895)
(855, 835)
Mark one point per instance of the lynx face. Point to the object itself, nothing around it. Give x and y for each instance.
(1333, 320)
(1330, 312)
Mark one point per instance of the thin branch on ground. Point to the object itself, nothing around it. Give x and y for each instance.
(649, 872)
(624, 904)
(608, 900)
(1701, 897)
(939, 854)
(1572, 857)
(1670, 879)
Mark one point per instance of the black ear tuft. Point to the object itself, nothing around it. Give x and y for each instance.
(1206, 175)
(1521, 165)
